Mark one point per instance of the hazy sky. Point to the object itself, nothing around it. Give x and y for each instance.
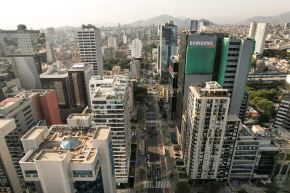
(45, 13)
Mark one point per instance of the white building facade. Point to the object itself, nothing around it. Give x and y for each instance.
(111, 103)
(209, 134)
(136, 49)
(260, 37)
(89, 41)
(72, 158)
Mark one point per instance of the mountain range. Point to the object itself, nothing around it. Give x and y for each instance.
(277, 19)
(182, 21)
(162, 19)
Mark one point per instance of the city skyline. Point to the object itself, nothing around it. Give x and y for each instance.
(75, 12)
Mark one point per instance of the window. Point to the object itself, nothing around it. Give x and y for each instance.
(82, 173)
(31, 173)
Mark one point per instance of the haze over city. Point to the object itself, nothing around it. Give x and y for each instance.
(145, 96)
(41, 14)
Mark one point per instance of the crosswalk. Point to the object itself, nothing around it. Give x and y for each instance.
(157, 184)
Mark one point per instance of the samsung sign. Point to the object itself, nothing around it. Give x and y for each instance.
(201, 43)
(201, 40)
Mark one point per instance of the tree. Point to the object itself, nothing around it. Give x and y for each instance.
(171, 175)
(182, 186)
(212, 187)
(242, 191)
(142, 171)
(272, 188)
(139, 93)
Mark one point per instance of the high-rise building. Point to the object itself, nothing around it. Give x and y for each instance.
(208, 133)
(252, 31)
(192, 25)
(260, 37)
(21, 42)
(109, 53)
(286, 25)
(49, 45)
(235, 60)
(173, 85)
(112, 42)
(10, 85)
(136, 49)
(30, 107)
(194, 67)
(9, 174)
(72, 158)
(111, 103)
(254, 155)
(79, 77)
(202, 25)
(125, 38)
(214, 57)
(89, 41)
(245, 154)
(134, 69)
(57, 78)
(27, 109)
(281, 171)
(167, 47)
(282, 119)
(25, 48)
(27, 70)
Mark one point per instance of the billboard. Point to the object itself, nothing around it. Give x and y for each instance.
(200, 54)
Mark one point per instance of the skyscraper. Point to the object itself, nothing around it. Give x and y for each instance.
(235, 59)
(9, 174)
(72, 158)
(24, 47)
(27, 109)
(136, 49)
(197, 58)
(79, 76)
(282, 119)
(135, 69)
(193, 25)
(49, 44)
(57, 78)
(89, 40)
(112, 42)
(111, 102)
(255, 155)
(214, 57)
(168, 46)
(253, 29)
(260, 37)
(208, 133)
(124, 38)
(173, 85)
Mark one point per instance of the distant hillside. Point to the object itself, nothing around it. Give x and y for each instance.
(278, 19)
(162, 19)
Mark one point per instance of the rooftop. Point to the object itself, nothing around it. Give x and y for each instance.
(211, 89)
(78, 116)
(8, 102)
(79, 66)
(35, 132)
(55, 70)
(62, 138)
(108, 86)
(51, 155)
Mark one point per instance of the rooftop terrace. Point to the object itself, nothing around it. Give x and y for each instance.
(62, 139)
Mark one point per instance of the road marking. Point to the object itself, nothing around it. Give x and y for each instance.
(157, 184)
